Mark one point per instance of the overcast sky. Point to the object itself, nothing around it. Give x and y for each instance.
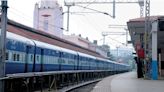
(88, 24)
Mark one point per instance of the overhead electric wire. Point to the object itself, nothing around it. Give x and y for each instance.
(117, 41)
(89, 3)
(95, 10)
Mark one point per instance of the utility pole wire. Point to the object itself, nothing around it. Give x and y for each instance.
(95, 10)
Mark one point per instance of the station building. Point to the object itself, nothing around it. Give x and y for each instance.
(48, 17)
(153, 59)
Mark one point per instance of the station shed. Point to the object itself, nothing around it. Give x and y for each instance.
(153, 60)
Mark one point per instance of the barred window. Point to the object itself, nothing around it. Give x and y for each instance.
(31, 58)
(37, 58)
(18, 57)
(7, 56)
(14, 57)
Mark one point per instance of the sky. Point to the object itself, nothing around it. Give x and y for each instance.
(89, 25)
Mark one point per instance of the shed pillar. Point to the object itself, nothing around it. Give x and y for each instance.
(154, 50)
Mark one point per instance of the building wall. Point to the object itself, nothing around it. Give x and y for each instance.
(77, 40)
(92, 46)
(48, 17)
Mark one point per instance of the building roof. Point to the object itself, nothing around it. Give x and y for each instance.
(39, 35)
(143, 18)
(136, 29)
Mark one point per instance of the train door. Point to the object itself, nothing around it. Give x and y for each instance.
(78, 62)
(26, 58)
(34, 60)
(75, 62)
(60, 60)
(42, 60)
(90, 63)
(97, 64)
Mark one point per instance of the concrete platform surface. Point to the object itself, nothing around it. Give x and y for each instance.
(128, 82)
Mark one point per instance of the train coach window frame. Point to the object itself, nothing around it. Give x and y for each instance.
(37, 58)
(10, 55)
(14, 56)
(7, 56)
(57, 53)
(23, 57)
(18, 57)
(31, 58)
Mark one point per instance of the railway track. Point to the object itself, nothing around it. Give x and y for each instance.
(82, 87)
(86, 88)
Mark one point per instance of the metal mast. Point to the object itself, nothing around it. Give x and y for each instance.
(3, 42)
(147, 30)
(141, 4)
(68, 12)
(147, 24)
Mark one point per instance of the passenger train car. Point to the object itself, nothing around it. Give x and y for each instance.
(27, 55)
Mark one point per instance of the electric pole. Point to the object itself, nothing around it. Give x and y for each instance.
(68, 12)
(146, 35)
(141, 4)
(3, 42)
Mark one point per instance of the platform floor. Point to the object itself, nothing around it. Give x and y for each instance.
(128, 82)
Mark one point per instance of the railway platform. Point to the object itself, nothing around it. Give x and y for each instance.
(128, 82)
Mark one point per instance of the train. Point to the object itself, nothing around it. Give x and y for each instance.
(24, 55)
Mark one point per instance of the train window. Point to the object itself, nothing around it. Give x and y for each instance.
(50, 59)
(72, 56)
(37, 58)
(23, 57)
(18, 57)
(31, 58)
(47, 59)
(53, 52)
(43, 58)
(14, 57)
(7, 55)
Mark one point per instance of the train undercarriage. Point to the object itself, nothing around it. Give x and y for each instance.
(52, 81)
